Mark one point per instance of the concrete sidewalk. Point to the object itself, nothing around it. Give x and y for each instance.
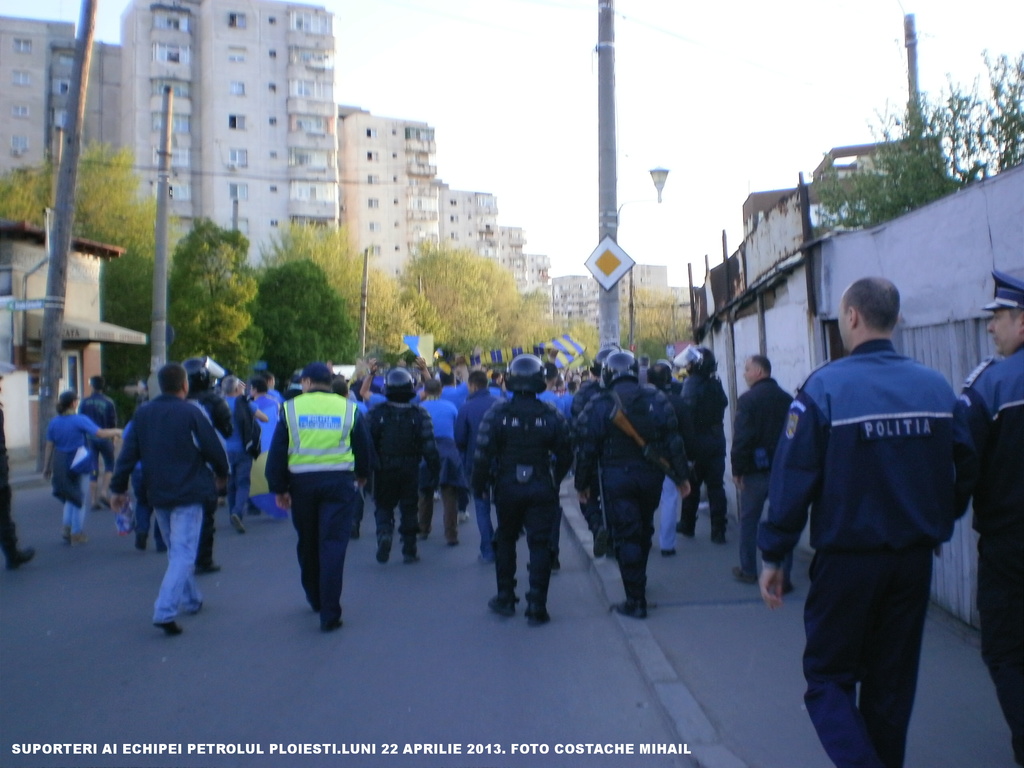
(728, 671)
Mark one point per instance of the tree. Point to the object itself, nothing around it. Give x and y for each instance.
(302, 318)
(211, 289)
(932, 150)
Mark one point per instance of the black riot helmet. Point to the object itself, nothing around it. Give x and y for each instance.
(619, 366)
(526, 374)
(399, 386)
(201, 374)
(697, 360)
(601, 356)
(659, 375)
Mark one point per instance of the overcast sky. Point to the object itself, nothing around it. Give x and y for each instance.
(732, 97)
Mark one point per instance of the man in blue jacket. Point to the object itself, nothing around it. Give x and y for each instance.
(467, 426)
(878, 446)
(183, 461)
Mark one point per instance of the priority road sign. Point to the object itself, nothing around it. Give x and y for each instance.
(609, 263)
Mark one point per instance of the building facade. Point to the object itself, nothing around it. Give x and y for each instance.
(253, 126)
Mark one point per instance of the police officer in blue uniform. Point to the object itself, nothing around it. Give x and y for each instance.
(402, 434)
(994, 393)
(320, 451)
(523, 452)
(591, 508)
(878, 446)
(630, 481)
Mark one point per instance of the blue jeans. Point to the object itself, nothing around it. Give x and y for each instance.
(668, 515)
(486, 526)
(752, 499)
(74, 516)
(239, 482)
(180, 529)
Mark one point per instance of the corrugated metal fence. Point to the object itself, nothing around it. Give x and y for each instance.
(954, 349)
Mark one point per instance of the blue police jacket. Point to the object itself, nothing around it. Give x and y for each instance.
(877, 445)
(994, 394)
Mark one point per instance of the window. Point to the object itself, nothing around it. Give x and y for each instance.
(238, 157)
(236, 20)
(273, 154)
(61, 86)
(19, 110)
(375, 226)
(273, 187)
(272, 87)
(236, 55)
(182, 90)
(312, 57)
(22, 45)
(273, 53)
(170, 21)
(272, 20)
(313, 23)
(312, 89)
(180, 157)
(310, 158)
(273, 121)
(19, 145)
(273, 222)
(372, 179)
(373, 202)
(179, 123)
(236, 122)
(374, 250)
(172, 54)
(237, 88)
(20, 77)
(243, 226)
(372, 156)
(314, 191)
(371, 133)
(64, 59)
(310, 124)
(419, 134)
(238, 191)
(59, 118)
(181, 191)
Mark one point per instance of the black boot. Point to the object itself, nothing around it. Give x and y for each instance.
(19, 557)
(383, 547)
(536, 608)
(503, 603)
(632, 607)
(409, 549)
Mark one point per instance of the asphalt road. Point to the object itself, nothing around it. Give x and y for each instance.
(421, 674)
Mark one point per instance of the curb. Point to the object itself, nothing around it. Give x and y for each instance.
(691, 723)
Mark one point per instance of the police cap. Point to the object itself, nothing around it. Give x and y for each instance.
(1009, 292)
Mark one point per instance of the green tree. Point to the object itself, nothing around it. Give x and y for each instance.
(302, 318)
(931, 150)
(211, 289)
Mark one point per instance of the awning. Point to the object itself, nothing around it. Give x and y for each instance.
(80, 329)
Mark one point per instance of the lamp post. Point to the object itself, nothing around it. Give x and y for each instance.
(658, 176)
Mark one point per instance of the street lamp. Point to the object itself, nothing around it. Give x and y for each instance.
(658, 176)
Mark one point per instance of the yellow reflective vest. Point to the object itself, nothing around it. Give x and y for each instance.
(319, 433)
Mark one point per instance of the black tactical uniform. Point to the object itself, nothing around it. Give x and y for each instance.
(630, 483)
(402, 434)
(523, 450)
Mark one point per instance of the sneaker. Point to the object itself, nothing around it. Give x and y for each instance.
(78, 538)
(668, 552)
(236, 523)
(740, 575)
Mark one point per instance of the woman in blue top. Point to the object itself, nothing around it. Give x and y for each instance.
(65, 434)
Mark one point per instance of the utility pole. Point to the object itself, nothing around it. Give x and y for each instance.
(608, 301)
(158, 329)
(67, 183)
(363, 296)
(910, 41)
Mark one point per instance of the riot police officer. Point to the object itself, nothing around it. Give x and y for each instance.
(629, 438)
(202, 374)
(402, 434)
(703, 428)
(591, 508)
(659, 376)
(523, 451)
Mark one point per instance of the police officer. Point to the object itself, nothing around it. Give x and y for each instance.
(402, 434)
(659, 376)
(202, 373)
(877, 446)
(320, 451)
(630, 481)
(704, 434)
(523, 451)
(591, 508)
(994, 393)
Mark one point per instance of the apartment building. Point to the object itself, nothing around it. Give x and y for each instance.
(574, 298)
(254, 139)
(468, 220)
(388, 186)
(36, 58)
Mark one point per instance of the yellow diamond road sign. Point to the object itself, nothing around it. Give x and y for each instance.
(609, 263)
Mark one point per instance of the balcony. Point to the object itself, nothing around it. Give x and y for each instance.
(414, 168)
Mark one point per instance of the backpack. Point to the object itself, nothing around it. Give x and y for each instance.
(249, 429)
